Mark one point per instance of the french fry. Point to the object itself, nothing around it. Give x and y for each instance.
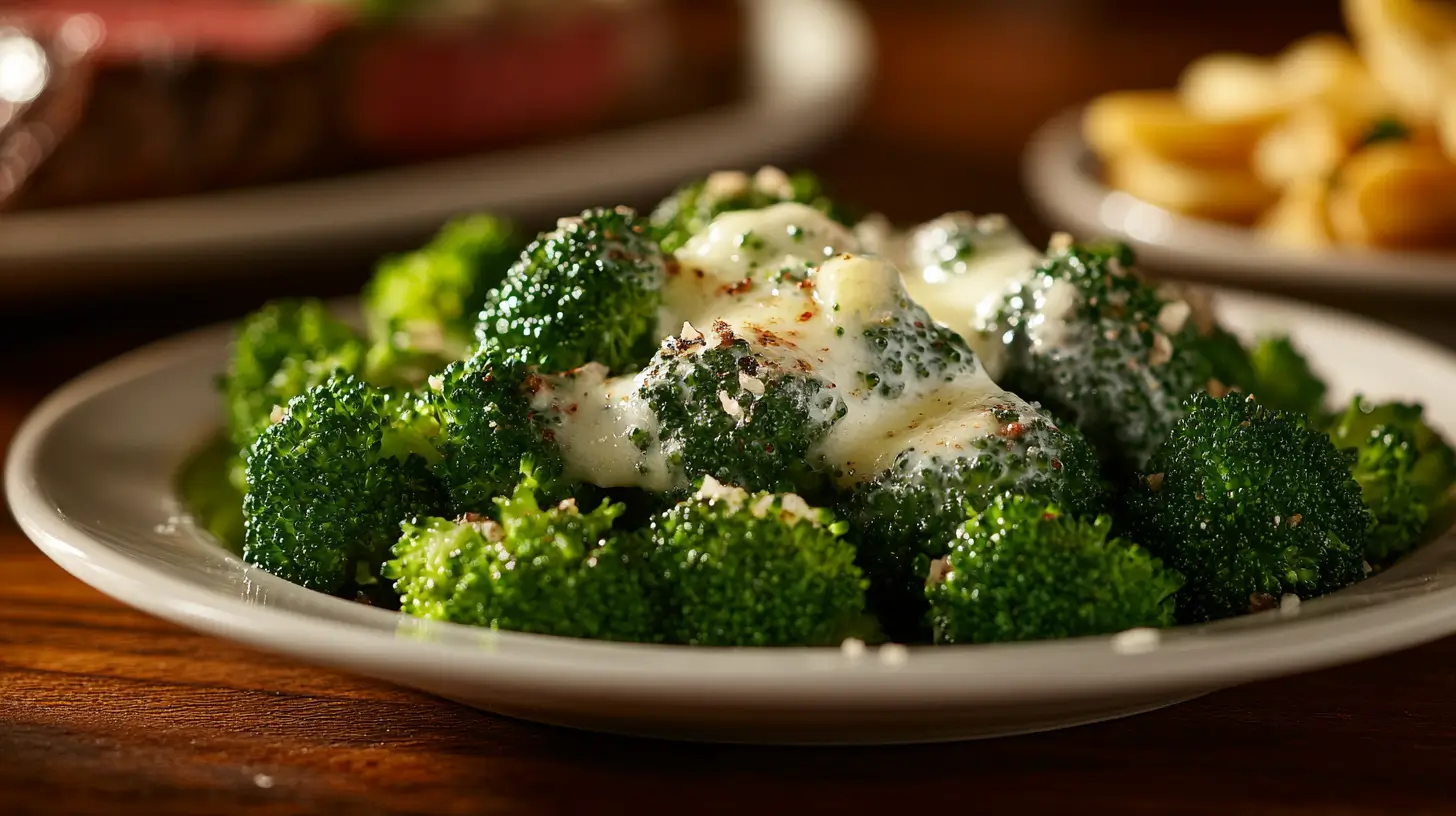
(1325, 69)
(1232, 86)
(1300, 218)
(1308, 144)
(1405, 44)
(1221, 193)
(1395, 194)
(1157, 123)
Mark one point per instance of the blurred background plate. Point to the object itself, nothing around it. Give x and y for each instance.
(1062, 180)
(808, 64)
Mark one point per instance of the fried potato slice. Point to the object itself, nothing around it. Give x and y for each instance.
(1395, 194)
(1157, 123)
(1300, 218)
(1222, 193)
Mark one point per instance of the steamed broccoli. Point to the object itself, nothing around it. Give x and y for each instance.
(1405, 471)
(329, 484)
(1098, 346)
(732, 413)
(552, 570)
(1249, 504)
(282, 350)
(483, 426)
(212, 494)
(763, 569)
(907, 515)
(589, 291)
(1023, 570)
(694, 205)
(422, 306)
(1228, 362)
(1283, 379)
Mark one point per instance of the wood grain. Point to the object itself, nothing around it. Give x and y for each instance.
(106, 710)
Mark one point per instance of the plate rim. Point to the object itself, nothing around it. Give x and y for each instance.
(1054, 171)
(684, 675)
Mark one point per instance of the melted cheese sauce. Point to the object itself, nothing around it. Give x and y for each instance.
(787, 279)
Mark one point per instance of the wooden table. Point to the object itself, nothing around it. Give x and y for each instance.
(106, 710)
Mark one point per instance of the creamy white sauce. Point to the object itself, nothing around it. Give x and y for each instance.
(803, 301)
(960, 268)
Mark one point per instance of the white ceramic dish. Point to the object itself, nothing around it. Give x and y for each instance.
(809, 62)
(1061, 175)
(90, 479)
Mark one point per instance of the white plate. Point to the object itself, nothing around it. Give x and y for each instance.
(1061, 175)
(90, 479)
(809, 61)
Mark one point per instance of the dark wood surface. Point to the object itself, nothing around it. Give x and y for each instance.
(106, 710)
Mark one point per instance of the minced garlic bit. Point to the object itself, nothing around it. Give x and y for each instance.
(1060, 242)
(1173, 316)
(437, 383)
(773, 181)
(1289, 604)
(1137, 641)
(1162, 350)
(277, 414)
(750, 383)
(725, 184)
(1155, 482)
(853, 648)
(730, 405)
(939, 568)
(689, 333)
(894, 655)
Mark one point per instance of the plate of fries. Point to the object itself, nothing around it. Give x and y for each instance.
(1330, 163)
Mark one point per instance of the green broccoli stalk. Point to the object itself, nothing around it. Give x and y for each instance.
(589, 291)
(483, 425)
(1023, 570)
(329, 484)
(1283, 379)
(693, 206)
(552, 570)
(1103, 349)
(282, 350)
(735, 415)
(906, 516)
(763, 569)
(421, 307)
(1249, 504)
(212, 494)
(1405, 471)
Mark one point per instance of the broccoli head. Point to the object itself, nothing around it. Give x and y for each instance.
(589, 291)
(1405, 471)
(484, 426)
(1021, 569)
(734, 413)
(907, 515)
(763, 569)
(690, 209)
(422, 306)
(551, 570)
(1103, 349)
(1283, 379)
(329, 484)
(1249, 504)
(280, 351)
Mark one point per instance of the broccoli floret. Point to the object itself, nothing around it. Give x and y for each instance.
(552, 570)
(422, 306)
(1023, 570)
(282, 350)
(589, 291)
(693, 206)
(763, 569)
(734, 414)
(1405, 471)
(1249, 504)
(1283, 379)
(484, 426)
(212, 496)
(1228, 361)
(1103, 349)
(329, 484)
(906, 516)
